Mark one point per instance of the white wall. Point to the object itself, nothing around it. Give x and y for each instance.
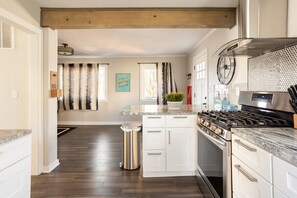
(109, 112)
(50, 43)
(212, 43)
(14, 76)
(292, 16)
(25, 9)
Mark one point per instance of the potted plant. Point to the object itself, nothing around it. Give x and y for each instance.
(174, 100)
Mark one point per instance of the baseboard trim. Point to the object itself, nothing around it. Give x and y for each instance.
(51, 166)
(92, 122)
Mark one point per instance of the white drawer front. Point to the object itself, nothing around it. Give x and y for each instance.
(153, 121)
(180, 120)
(154, 138)
(255, 157)
(15, 181)
(247, 183)
(14, 151)
(278, 194)
(153, 160)
(285, 177)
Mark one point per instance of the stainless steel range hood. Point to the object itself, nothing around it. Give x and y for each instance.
(262, 29)
(253, 47)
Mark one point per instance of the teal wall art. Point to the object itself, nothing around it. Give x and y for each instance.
(123, 82)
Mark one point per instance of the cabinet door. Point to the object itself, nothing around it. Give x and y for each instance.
(285, 177)
(153, 160)
(15, 180)
(180, 147)
(278, 194)
(247, 183)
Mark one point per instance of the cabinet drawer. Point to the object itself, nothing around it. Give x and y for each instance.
(247, 183)
(285, 177)
(154, 138)
(180, 120)
(153, 121)
(14, 151)
(153, 160)
(253, 156)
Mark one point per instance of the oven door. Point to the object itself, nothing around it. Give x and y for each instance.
(214, 164)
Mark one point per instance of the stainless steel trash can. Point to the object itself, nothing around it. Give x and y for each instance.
(131, 148)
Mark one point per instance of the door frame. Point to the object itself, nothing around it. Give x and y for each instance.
(35, 79)
(204, 52)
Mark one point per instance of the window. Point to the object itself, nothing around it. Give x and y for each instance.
(148, 81)
(6, 35)
(102, 83)
(200, 70)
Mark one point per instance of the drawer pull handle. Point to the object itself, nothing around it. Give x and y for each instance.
(154, 153)
(154, 117)
(247, 175)
(245, 146)
(169, 137)
(154, 131)
(180, 116)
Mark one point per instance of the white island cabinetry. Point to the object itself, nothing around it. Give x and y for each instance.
(15, 168)
(169, 144)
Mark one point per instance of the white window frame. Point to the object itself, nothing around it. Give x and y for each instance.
(144, 66)
(105, 66)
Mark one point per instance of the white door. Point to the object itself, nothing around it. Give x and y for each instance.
(200, 93)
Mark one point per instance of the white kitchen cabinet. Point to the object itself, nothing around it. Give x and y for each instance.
(247, 183)
(169, 144)
(285, 177)
(15, 168)
(253, 156)
(278, 194)
(180, 149)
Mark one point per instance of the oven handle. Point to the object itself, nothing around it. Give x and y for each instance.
(211, 138)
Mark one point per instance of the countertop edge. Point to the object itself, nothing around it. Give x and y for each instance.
(9, 135)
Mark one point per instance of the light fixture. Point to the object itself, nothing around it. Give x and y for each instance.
(65, 50)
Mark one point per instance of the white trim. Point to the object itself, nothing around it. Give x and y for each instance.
(35, 102)
(51, 166)
(132, 56)
(92, 122)
(202, 40)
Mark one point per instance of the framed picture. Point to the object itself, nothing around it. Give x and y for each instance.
(123, 82)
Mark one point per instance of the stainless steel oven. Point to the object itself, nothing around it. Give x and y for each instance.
(214, 164)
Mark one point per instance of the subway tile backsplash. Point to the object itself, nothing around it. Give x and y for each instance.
(274, 71)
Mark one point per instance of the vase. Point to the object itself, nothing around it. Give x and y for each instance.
(174, 105)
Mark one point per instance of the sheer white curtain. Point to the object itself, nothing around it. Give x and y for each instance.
(80, 86)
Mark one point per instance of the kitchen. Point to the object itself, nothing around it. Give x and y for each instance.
(213, 42)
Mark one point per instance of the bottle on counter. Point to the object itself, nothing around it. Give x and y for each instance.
(225, 102)
(218, 102)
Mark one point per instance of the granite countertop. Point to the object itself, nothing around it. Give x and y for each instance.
(281, 142)
(159, 110)
(8, 135)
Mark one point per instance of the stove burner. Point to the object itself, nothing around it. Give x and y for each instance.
(233, 119)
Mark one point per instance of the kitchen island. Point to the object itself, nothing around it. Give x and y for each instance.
(169, 139)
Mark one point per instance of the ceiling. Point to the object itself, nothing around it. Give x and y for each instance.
(133, 42)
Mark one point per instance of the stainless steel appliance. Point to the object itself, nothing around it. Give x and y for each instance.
(259, 109)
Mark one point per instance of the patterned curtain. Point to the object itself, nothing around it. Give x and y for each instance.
(80, 86)
(166, 82)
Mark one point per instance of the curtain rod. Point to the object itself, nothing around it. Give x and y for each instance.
(84, 63)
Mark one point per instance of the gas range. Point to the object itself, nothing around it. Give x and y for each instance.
(259, 109)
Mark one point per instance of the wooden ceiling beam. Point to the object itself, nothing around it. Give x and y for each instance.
(91, 18)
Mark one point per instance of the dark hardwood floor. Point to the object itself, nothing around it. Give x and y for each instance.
(89, 167)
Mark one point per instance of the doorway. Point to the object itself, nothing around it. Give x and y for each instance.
(200, 93)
